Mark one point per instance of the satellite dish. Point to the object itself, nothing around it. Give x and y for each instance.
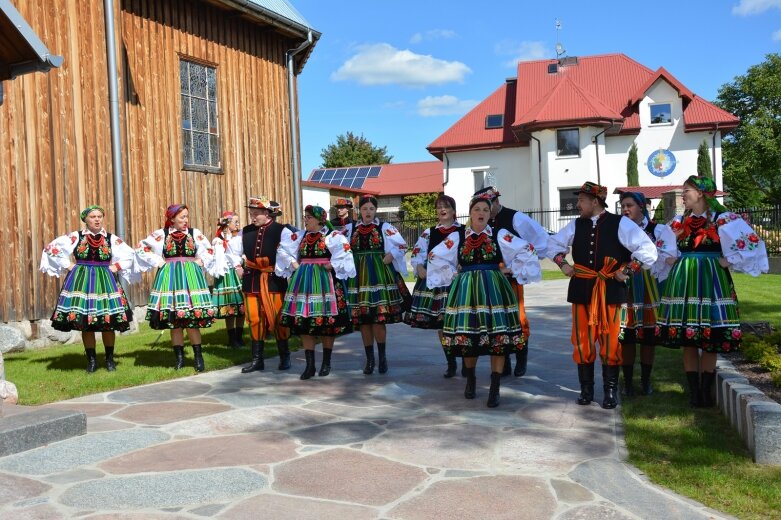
(560, 49)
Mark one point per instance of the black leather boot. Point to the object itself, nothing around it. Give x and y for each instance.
(257, 362)
(231, 338)
(586, 378)
(369, 368)
(695, 397)
(471, 383)
(92, 360)
(284, 354)
(110, 365)
(493, 392)
(239, 336)
(309, 370)
(629, 371)
(452, 367)
(463, 368)
(521, 359)
(325, 367)
(508, 366)
(382, 361)
(645, 379)
(610, 386)
(706, 387)
(179, 354)
(198, 355)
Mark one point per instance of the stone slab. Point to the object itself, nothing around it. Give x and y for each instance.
(764, 431)
(725, 382)
(25, 431)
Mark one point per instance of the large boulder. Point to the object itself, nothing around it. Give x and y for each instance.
(11, 339)
(45, 330)
(8, 392)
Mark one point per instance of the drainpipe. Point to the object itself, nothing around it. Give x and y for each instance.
(294, 159)
(595, 140)
(116, 150)
(447, 167)
(713, 152)
(539, 160)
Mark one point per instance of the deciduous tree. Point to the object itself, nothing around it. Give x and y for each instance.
(352, 150)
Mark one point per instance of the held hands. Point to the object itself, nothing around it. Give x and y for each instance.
(568, 270)
(199, 262)
(421, 272)
(670, 261)
(621, 277)
(723, 262)
(239, 271)
(387, 259)
(112, 268)
(294, 265)
(506, 270)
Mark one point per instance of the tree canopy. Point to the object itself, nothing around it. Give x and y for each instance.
(352, 150)
(420, 206)
(752, 152)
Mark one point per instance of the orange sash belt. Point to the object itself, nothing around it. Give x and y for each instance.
(598, 307)
(262, 265)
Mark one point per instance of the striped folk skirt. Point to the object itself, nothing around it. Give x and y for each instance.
(699, 307)
(377, 293)
(427, 310)
(91, 300)
(638, 315)
(180, 297)
(227, 298)
(315, 303)
(481, 315)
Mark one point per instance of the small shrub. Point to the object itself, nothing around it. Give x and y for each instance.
(755, 349)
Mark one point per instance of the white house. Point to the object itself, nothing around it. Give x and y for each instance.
(560, 123)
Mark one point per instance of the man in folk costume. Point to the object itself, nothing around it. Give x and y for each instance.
(607, 249)
(344, 214)
(254, 254)
(523, 226)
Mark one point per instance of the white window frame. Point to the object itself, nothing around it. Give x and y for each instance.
(650, 114)
(558, 151)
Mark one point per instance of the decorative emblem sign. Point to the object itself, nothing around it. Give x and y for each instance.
(661, 162)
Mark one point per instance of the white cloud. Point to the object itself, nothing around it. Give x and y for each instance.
(522, 51)
(444, 106)
(433, 34)
(777, 36)
(393, 105)
(383, 64)
(749, 7)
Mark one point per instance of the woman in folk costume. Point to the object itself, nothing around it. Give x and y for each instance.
(699, 308)
(91, 299)
(377, 295)
(180, 297)
(428, 304)
(481, 313)
(227, 297)
(638, 315)
(315, 306)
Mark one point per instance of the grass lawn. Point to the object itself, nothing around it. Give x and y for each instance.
(57, 372)
(695, 452)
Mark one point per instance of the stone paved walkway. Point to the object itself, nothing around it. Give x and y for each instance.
(404, 445)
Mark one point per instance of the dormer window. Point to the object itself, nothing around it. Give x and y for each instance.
(661, 113)
(494, 121)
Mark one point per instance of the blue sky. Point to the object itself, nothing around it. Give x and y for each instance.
(401, 72)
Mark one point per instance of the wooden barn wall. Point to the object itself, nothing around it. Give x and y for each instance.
(55, 151)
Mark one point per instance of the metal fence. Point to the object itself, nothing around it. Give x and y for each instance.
(765, 221)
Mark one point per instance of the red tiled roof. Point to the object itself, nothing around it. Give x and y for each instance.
(312, 184)
(407, 178)
(655, 192)
(566, 104)
(470, 131)
(395, 179)
(701, 115)
(596, 90)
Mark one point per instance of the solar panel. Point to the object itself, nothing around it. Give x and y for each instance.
(317, 175)
(374, 171)
(358, 183)
(339, 174)
(328, 176)
(363, 172)
(346, 183)
(351, 172)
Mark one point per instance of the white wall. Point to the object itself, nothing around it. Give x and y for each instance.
(509, 168)
(316, 197)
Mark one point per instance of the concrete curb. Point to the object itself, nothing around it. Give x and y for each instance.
(755, 417)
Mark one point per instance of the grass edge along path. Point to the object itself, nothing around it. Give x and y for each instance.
(696, 452)
(56, 373)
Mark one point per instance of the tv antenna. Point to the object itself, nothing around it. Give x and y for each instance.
(560, 50)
